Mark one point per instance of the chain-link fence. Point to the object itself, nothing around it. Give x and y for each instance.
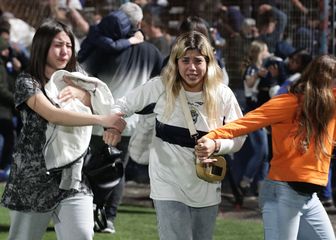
(310, 23)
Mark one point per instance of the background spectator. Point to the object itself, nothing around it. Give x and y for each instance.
(122, 71)
(154, 27)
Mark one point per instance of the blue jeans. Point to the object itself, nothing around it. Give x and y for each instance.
(177, 221)
(259, 154)
(327, 192)
(290, 215)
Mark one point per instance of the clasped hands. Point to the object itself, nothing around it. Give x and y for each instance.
(204, 148)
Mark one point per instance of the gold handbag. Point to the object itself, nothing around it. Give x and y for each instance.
(211, 172)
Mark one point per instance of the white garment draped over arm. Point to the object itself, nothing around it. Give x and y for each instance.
(64, 144)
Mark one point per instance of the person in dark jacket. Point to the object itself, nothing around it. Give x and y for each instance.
(115, 32)
(122, 71)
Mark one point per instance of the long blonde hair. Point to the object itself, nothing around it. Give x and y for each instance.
(193, 40)
(317, 102)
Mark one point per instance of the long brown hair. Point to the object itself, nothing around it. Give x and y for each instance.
(317, 101)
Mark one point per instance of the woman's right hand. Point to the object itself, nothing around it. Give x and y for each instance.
(204, 148)
(72, 91)
(114, 121)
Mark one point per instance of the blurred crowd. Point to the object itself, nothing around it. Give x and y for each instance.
(269, 44)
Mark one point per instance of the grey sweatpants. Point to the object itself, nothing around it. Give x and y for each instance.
(178, 221)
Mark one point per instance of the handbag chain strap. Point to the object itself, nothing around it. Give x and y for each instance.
(187, 114)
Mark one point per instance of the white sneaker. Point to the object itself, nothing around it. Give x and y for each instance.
(109, 228)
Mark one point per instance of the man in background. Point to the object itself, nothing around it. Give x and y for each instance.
(122, 71)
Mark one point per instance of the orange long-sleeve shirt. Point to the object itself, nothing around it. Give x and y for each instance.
(288, 163)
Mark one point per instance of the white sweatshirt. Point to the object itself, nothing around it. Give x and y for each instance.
(171, 155)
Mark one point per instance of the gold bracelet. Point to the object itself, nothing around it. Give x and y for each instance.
(216, 146)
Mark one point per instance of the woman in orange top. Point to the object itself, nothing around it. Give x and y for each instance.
(303, 132)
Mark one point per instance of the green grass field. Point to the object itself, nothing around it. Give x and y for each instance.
(139, 223)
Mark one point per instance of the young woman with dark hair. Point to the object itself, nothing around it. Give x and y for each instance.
(33, 194)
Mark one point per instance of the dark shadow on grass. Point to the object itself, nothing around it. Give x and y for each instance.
(136, 212)
(5, 228)
(50, 229)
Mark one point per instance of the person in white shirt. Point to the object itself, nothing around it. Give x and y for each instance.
(186, 206)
